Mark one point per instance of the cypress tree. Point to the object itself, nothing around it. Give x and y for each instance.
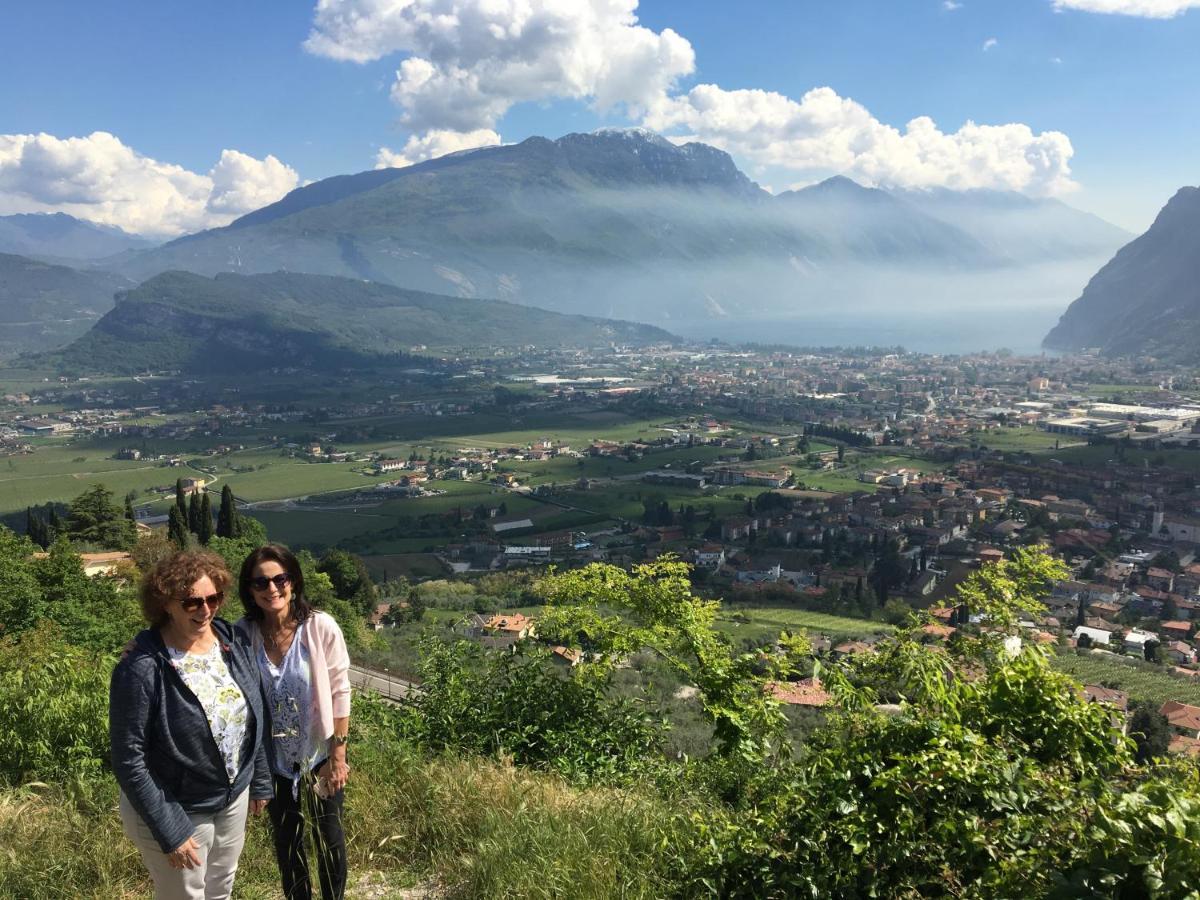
(54, 526)
(35, 528)
(177, 529)
(205, 531)
(193, 514)
(180, 499)
(227, 514)
(129, 514)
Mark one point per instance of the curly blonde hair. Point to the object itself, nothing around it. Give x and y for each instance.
(172, 579)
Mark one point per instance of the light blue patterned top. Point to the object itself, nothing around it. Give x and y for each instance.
(296, 743)
(207, 676)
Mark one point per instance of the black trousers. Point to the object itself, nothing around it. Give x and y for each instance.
(322, 820)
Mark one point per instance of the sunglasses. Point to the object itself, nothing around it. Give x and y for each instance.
(262, 582)
(191, 604)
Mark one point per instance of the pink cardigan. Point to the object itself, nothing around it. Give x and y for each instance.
(330, 665)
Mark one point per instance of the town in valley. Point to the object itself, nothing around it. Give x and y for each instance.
(834, 490)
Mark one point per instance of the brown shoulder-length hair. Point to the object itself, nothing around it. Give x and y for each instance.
(301, 608)
(172, 578)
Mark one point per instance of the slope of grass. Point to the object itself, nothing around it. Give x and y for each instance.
(474, 827)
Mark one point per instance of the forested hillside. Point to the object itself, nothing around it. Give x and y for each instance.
(243, 323)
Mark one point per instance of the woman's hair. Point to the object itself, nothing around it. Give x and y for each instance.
(301, 608)
(172, 578)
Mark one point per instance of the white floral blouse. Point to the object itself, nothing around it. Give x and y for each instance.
(207, 676)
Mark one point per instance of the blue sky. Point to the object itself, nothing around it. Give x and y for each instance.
(217, 108)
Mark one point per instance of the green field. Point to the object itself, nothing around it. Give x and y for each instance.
(1025, 439)
(1142, 681)
(61, 473)
(769, 621)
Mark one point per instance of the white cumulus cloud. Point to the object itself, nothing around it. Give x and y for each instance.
(465, 63)
(1148, 9)
(470, 60)
(100, 179)
(824, 132)
(433, 144)
(241, 183)
(989, 44)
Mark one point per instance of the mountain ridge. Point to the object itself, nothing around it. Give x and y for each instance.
(622, 222)
(244, 323)
(61, 237)
(1146, 299)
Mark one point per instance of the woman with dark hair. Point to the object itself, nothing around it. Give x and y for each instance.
(304, 667)
(188, 731)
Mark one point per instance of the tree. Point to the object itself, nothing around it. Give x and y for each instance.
(21, 597)
(609, 613)
(35, 528)
(227, 514)
(193, 513)
(94, 612)
(181, 498)
(177, 529)
(350, 580)
(1150, 731)
(1152, 651)
(205, 531)
(94, 519)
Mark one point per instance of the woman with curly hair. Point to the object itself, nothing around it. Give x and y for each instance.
(188, 729)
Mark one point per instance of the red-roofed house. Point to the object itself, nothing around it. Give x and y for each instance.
(1177, 630)
(807, 692)
(1184, 719)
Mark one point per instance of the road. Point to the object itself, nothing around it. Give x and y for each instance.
(387, 687)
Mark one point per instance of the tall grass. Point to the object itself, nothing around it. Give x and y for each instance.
(477, 828)
(488, 829)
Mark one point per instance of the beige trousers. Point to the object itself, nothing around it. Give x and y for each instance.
(220, 836)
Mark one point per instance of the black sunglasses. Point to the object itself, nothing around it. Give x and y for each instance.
(262, 582)
(191, 604)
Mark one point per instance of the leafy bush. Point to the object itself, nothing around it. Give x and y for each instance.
(515, 705)
(53, 709)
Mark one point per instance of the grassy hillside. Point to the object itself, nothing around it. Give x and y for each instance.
(239, 323)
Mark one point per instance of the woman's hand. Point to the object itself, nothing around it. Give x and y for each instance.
(185, 856)
(257, 806)
(336, 773)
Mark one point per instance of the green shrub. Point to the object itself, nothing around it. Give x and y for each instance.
(515, 705)
(53, 709)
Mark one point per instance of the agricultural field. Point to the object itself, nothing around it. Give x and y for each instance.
(1141, 680)
(60, 472)
(1024, 439)
(768, 621)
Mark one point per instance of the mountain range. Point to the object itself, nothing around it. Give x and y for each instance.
(59, 237)
(628, 224)
(1146, 300)
(243, 323)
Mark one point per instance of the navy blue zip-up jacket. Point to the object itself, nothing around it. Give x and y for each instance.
(163, 751)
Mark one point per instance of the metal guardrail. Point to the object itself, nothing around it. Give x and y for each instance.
(386, 686)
